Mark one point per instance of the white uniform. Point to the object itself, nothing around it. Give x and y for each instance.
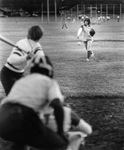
(82, 125)
(86, 37)
(35, 91)
(85, 30)
(81, 129)
(18, 58)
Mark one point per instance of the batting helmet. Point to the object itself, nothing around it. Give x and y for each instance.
(41, 64)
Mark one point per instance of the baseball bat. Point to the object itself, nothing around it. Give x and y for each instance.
(9, 42)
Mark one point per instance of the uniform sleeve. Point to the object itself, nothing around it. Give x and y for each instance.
(38, 50)
(55, 92)
(17, 57)
(79, 32)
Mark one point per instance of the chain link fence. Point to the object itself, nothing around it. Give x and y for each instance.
(96, 10)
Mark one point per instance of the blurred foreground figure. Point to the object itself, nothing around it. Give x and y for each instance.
(27, 101)
(75, 127)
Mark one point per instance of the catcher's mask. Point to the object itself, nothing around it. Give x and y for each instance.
(43, 65)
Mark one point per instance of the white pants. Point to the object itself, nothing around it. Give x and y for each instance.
(88, 44)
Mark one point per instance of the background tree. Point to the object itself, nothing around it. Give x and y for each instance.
(35, 5)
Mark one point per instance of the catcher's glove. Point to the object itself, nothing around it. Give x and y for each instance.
(92, 32)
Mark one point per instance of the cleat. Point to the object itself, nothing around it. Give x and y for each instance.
(87, 60)
(92, 55)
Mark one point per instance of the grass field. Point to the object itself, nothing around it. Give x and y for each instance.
(94, 89)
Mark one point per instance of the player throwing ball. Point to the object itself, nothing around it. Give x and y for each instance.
(88, 32)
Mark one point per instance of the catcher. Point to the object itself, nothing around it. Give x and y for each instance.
(30, 96)
(88, 32)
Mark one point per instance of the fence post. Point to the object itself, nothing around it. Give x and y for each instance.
(96, 11)
(113, 11)
(106, 9)
(77, 11)
(84, 9)
(90, 11)
(120, 10)
(55, 10)
(101, 9)
(42, 11)
(48, 10)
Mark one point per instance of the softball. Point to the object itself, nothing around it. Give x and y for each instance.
(79, 43)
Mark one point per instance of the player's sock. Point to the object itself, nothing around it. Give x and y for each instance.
(87, 59)
(92, 55)
(89, 53)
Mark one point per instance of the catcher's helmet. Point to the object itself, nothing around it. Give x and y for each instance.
(92, 32)
(41, 64)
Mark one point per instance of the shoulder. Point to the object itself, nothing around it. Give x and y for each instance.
(82, 26)
(55, 91)
(22, 41)
(38, 44)
(54, 83)
(38, 49)
(80, 29)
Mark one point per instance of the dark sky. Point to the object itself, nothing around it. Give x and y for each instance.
(103, 1)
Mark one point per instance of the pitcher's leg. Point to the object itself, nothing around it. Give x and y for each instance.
(85, 45)
(89, 52)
